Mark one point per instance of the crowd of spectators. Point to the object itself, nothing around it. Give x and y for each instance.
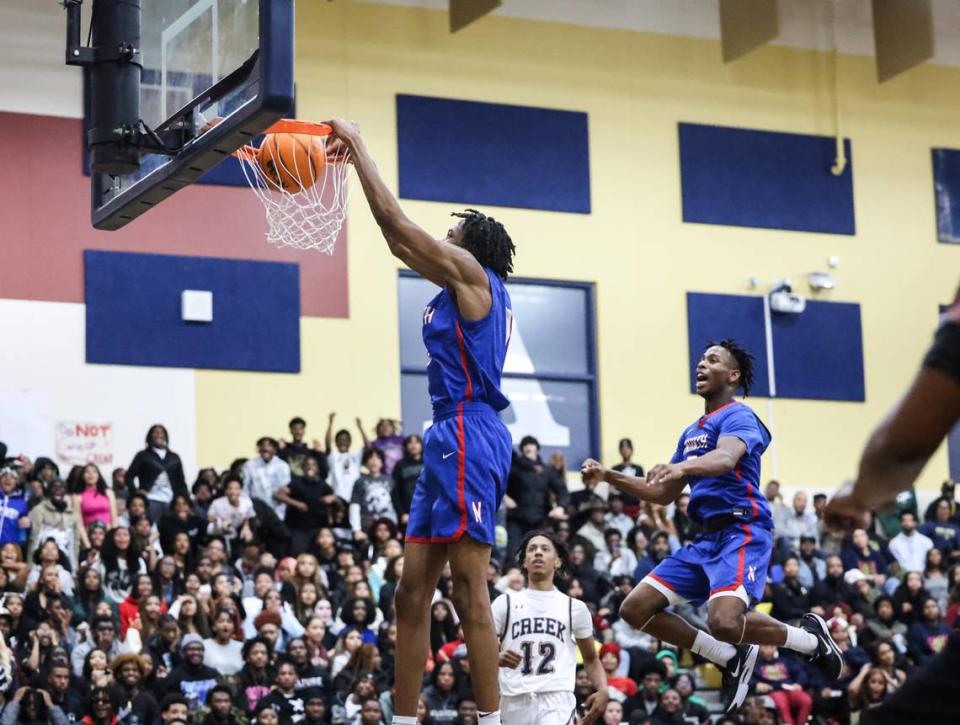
(263, 592)
(888, 590)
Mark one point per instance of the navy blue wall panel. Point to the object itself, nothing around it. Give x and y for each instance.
(134, 317)
(466, 152)
(714, 317)
(946, 188)
(819, 353)
(749, 178)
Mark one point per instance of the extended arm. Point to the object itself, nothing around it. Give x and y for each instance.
(33, 661)
(596, 704)
(666, 481)
(283, 496)
(641, 488)
(904, 441)
(328, 437)
(853, 689)
(363, 433)
(442, 263)
(902, 444)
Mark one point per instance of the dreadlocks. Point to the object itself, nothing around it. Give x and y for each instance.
(486, 239)
(743, 359)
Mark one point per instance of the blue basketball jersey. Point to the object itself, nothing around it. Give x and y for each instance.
(739, 490)
(466, 356)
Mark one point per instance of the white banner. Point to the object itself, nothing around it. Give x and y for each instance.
(78, 443)
(38, 393)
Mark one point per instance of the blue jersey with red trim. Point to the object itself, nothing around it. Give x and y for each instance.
(738, 490)
(467, 356)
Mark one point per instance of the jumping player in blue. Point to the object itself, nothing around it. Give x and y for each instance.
(466, 330)
(718, 456)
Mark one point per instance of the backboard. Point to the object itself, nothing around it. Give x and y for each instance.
(201, 60)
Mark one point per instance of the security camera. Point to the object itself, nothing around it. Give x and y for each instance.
(787, 302)
(821, 281)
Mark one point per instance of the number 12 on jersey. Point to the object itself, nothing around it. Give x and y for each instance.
(547, 652)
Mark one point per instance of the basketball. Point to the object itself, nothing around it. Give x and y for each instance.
(291, 161)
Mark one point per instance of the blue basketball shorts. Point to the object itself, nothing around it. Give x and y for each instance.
(731, 562)
(466, 461)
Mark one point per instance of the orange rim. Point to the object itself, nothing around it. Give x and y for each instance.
(287, 125)
(291, 125)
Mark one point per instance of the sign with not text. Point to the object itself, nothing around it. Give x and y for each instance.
(79, 443)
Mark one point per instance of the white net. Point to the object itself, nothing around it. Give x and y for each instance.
(306, 209)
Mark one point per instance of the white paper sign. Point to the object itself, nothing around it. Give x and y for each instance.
(84, 442)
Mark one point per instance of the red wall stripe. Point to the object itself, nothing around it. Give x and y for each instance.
(45, 223)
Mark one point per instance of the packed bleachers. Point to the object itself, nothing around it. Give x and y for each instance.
(263, 591)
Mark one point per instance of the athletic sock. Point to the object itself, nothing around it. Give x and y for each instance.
(713, 649)
(800, 640)
(488, 718)
(404, 720)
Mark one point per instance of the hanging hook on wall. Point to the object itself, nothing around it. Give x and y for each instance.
(840, 159)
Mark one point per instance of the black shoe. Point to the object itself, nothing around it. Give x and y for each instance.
(736, 677)
(828, 656)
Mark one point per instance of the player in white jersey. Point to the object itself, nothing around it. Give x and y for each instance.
(540, 628)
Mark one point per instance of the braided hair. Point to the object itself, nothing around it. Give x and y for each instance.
(743, 359)
(487, 240)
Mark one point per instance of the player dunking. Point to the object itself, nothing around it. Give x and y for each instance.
(540, 630)
(466, 330)
(719, 457)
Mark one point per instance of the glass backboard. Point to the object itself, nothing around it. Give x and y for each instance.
(201, 60)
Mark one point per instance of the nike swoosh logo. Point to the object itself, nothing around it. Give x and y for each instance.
(447, 455)
(736, 672)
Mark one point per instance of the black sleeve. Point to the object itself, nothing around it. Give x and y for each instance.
(515, 477)
(298, 491)
(150, 707)
(559, 487)
(168, 685)
(288, 593)
(134, 470)
(321, 462)
(398, 488)
(178, 481)
(405, 487)
(511, 481)
(944, 355)
(782, 605)
(397, 500)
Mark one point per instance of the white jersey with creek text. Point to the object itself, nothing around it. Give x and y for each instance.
(543, 627)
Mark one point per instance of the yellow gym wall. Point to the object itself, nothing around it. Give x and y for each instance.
(353, 58)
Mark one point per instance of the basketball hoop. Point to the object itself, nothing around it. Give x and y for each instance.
(303, 189)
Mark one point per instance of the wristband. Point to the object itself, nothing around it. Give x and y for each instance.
(944, 354)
